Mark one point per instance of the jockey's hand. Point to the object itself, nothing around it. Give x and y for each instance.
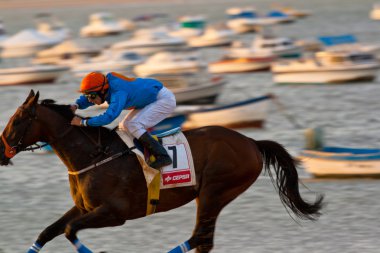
(76, 121)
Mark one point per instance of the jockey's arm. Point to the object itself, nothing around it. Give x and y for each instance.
(113, 111)
(82, 102)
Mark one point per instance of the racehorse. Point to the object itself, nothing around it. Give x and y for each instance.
(226, 164)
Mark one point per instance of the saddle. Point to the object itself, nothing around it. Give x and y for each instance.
(180, 173)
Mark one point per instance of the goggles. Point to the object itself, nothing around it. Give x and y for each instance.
(91, 95)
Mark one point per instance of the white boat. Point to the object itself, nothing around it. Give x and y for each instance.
(31, 74)
(349, 43)
(51, 27)
(146, 41)
(246, 19)
(242, 20)
(194, 88)
(278, 17)
(332, 161)
(189, 26)
(242, 64)
(327, 67)
(170, 63)
(267, 44)
(26, 43)
(66, 53)
(212, 37)
(342, 162)
(291, 11)
(108, 61)
(375, 12)
(103, 24)
(250, 113)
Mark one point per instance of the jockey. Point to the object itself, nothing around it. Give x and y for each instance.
(149, 101)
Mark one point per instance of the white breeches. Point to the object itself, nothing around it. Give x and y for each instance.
(138, 120)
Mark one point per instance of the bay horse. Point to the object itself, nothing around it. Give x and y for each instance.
(226, 164)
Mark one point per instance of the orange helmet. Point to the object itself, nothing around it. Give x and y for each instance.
(93, 81)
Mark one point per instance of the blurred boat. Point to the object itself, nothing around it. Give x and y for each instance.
(327, 67)
(31, 74)
(103, 24)
(189, 26)
(193, 88)
(66, 53)
(349, 43)
(246, 19)
(277, 17)
(342, 162)
(243, 114)
(242, 20)
(268, 44)
(108, 61)
(26, 43)
(51, 27)
(242, 64)
(147, 41)
(375, 12)
(170, 63)
(212, 37)
(293, 12)
(333, 161)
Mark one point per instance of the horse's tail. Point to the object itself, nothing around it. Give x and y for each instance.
(287, 180)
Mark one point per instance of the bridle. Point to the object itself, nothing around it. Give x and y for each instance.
(11, 151)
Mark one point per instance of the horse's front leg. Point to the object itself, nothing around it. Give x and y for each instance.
(54, 229)
(103, 216)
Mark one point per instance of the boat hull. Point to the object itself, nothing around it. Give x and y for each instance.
(326, 76)
(342, 162)
(247, 114)
(199, 93)
(236, 66)
(30, 75)
(319, 167)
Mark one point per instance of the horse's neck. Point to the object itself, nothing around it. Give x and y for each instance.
(69, 142)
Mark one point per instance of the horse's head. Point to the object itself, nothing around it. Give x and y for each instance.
(21, 129)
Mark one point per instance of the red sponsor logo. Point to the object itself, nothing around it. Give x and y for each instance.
(176, 177)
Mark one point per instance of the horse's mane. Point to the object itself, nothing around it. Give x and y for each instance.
(64, 110)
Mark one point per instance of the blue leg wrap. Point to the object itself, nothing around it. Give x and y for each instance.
(184, 247)
(80, 247)
(35, 248)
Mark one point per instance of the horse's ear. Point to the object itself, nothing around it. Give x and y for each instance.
(32, 99)
(31, 95)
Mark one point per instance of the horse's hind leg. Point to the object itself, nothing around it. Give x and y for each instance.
(54, 229)
(212, 199)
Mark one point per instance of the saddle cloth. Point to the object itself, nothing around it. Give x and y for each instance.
(180, 173)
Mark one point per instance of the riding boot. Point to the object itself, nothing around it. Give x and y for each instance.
(156, 149)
